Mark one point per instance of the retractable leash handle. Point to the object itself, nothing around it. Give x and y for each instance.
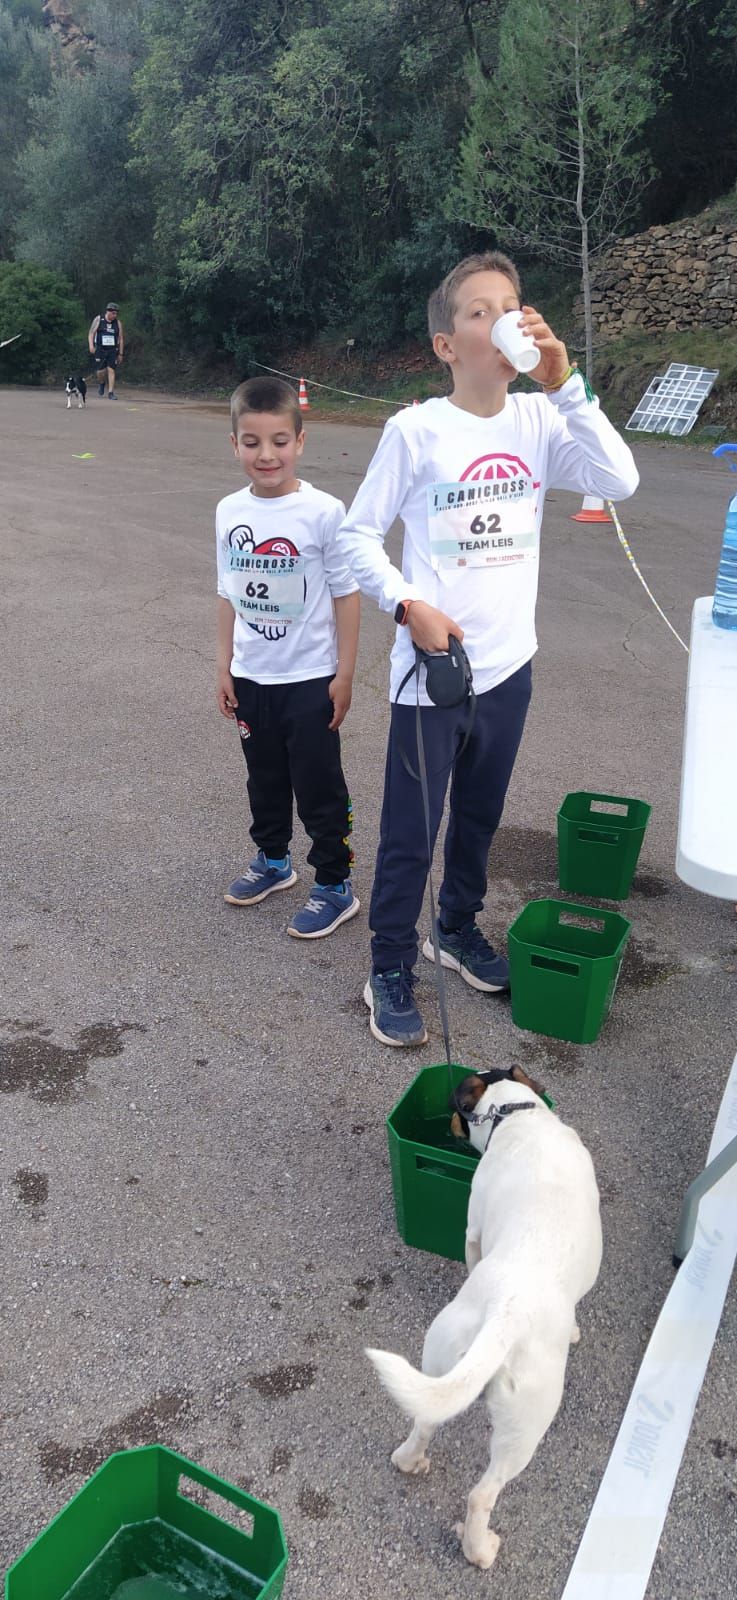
(448, 675)
(449, 682)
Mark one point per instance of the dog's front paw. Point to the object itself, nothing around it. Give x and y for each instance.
(576, 1334)
(482, 1551)
(407, 1461)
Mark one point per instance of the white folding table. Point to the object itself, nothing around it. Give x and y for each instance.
(706, 855)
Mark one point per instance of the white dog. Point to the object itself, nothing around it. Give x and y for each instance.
(533, 1249)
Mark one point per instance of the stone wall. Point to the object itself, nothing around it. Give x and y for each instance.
(73, 39)
(676, 277)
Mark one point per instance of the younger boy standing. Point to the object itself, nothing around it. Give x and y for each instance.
(468, 476)
(287, 638)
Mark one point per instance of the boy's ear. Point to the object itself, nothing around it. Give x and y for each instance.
(234, 443)
(443, 348)
(300, 441)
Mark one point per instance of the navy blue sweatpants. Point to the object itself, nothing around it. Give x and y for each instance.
(479, 782)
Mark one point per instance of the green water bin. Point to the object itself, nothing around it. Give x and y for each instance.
(132, 1532)
(599, 842)
(432, 1171)
(564, 962)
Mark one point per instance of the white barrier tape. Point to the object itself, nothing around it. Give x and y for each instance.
(631, 559)
(312, 384)
(620, 1541)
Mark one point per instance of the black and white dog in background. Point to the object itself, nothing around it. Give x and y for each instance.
(76, 386)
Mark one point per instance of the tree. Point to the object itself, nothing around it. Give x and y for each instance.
(693, 137)
(25, 74)
(41, 306)
(83, 212)
(298, 157)
(553, 152)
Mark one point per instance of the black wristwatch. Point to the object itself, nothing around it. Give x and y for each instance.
(401, 614)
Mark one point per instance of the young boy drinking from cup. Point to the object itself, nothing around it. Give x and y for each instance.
(467, 475)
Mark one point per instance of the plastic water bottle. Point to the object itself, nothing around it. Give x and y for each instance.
(724, 609)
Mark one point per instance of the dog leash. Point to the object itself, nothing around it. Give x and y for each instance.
(422, 777)
(446, 692)
(442, 682)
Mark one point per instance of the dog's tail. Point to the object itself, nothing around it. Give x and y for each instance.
(436, 1400)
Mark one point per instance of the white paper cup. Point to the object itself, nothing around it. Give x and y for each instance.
(514, 343)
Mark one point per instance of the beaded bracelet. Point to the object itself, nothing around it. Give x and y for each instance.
(549, 388)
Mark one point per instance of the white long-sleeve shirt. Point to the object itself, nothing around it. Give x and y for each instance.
(280, 565)
(470, 493)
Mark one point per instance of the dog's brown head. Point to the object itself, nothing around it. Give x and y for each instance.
(465, 1098)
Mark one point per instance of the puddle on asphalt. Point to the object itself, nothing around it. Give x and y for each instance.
(148, 1424)
(52, 1073)
(314, 1505)
(283, 1381)
(651, 886)
(33, 1189)
(642, 968)
(558, 1054)
(528, 857)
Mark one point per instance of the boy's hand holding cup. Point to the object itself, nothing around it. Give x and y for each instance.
(527, 343)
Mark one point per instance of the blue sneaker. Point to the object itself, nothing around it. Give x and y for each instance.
(468, 952)
(395, 1018)
(260, 880)
(324, 911)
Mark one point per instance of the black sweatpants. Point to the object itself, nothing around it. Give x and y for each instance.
(291, 753)
(480, 779)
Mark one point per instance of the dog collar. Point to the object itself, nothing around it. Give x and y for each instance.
(498, 1114)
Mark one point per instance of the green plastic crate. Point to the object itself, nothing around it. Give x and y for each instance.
(132, 1506)
(598, 850)
(431, 1173)
(564, 962)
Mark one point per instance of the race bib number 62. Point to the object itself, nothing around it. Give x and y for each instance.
(482, 524)
(266, 588)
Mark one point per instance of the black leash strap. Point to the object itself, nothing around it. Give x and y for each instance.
(440, 975)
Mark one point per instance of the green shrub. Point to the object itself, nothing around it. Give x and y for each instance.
(40, 305)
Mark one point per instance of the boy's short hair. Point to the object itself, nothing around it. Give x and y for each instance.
(265, 394)
(441, 307)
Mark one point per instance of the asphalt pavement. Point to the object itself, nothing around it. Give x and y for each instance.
(198, 1234)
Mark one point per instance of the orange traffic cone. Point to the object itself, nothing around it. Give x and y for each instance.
(592, 510)
(304, 404)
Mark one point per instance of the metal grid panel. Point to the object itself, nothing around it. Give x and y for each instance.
(671, 403)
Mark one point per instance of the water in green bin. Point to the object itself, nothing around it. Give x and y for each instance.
(150, 1588)
(435, 1132)
(152, 1561)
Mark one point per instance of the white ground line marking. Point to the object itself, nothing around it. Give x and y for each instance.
(619, 1544)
